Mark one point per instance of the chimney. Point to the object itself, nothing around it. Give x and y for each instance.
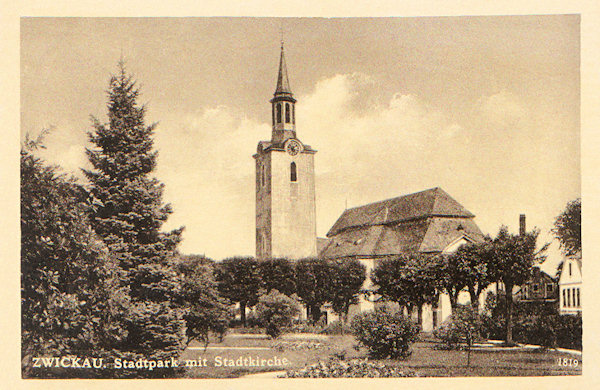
(522, 224)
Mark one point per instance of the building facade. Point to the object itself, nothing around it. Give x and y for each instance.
(570, 285)
(541, 287)
(285, 183)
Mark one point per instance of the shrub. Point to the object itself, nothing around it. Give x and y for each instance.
(337, 328)
(303, 327)
(462, 327)
(301, 345)
(276, 310)
(533, 324)
(349, 369)
(385, 333)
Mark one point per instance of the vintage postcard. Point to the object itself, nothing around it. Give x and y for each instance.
(274, 198)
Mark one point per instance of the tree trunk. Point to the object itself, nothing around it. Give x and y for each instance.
(316, 313)
(509, 312)
(453, 300)
(474, 299)
(243, 313)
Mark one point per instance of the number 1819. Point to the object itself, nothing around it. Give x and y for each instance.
(564, 362)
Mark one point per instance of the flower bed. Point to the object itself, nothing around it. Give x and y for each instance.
(296, 345)
(355, 368)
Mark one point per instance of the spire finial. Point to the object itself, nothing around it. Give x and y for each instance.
(281, 34)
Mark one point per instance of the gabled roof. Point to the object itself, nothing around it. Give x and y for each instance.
(426, 221)
(433, 202)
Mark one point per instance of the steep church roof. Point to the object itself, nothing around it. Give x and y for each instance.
(283, 83)
(426, 221)
(427, 203)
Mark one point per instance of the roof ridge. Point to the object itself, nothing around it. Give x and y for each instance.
(395, 197)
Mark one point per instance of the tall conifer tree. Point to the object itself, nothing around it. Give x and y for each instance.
(128, 216)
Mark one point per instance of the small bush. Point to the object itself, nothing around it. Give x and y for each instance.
(275, 311)
(385, 333)
(337, 328)
(303, 327)
(349, 369)
(462, 328)
(538, 324)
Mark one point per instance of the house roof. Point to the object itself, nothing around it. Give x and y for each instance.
(426, 221)
(433, 202)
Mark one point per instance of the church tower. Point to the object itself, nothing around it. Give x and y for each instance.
(285, 183)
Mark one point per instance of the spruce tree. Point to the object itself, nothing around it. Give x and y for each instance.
(128, 215)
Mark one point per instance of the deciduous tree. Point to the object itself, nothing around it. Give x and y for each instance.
(66, 273)
(567, 228)
(313, 284)
(513, 257)
(239, 280)
(278, 274)
(348, 276)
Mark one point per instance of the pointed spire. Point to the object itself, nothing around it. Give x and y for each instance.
(283, 84)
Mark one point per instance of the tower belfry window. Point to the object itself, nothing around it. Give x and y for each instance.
(293, 173)
(293, 115)
(278, 112)
(287, 112)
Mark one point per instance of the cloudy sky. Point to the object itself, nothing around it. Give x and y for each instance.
(485, 107)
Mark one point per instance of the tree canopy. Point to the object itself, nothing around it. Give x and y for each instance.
(239, 281)
(66, 272)
(567, 228)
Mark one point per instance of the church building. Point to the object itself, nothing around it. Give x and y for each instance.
(429, 221)
(285, 183)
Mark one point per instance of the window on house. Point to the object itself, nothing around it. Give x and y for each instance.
(569, 297)
(564, 296)
(549, 288)
(536, 287)
(578, 299)
(569, 269)
(278, 112)
(293, 174)
(287, 112)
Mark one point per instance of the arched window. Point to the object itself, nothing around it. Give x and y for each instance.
(278, 112)
(287, 112)
(293, 174)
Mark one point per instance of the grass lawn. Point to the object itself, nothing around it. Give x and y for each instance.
(425, 360)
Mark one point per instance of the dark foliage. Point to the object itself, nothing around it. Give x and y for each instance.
(313, 284)
(276, 311)
(384, 333)
(238, 280)
(567, 228)
(206, 310)
(128, 214)
(278, 274)
(66, 273)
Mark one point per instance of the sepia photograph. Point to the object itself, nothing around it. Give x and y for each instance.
(300, 197)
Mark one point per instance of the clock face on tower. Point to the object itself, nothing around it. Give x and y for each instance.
(293, 147)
